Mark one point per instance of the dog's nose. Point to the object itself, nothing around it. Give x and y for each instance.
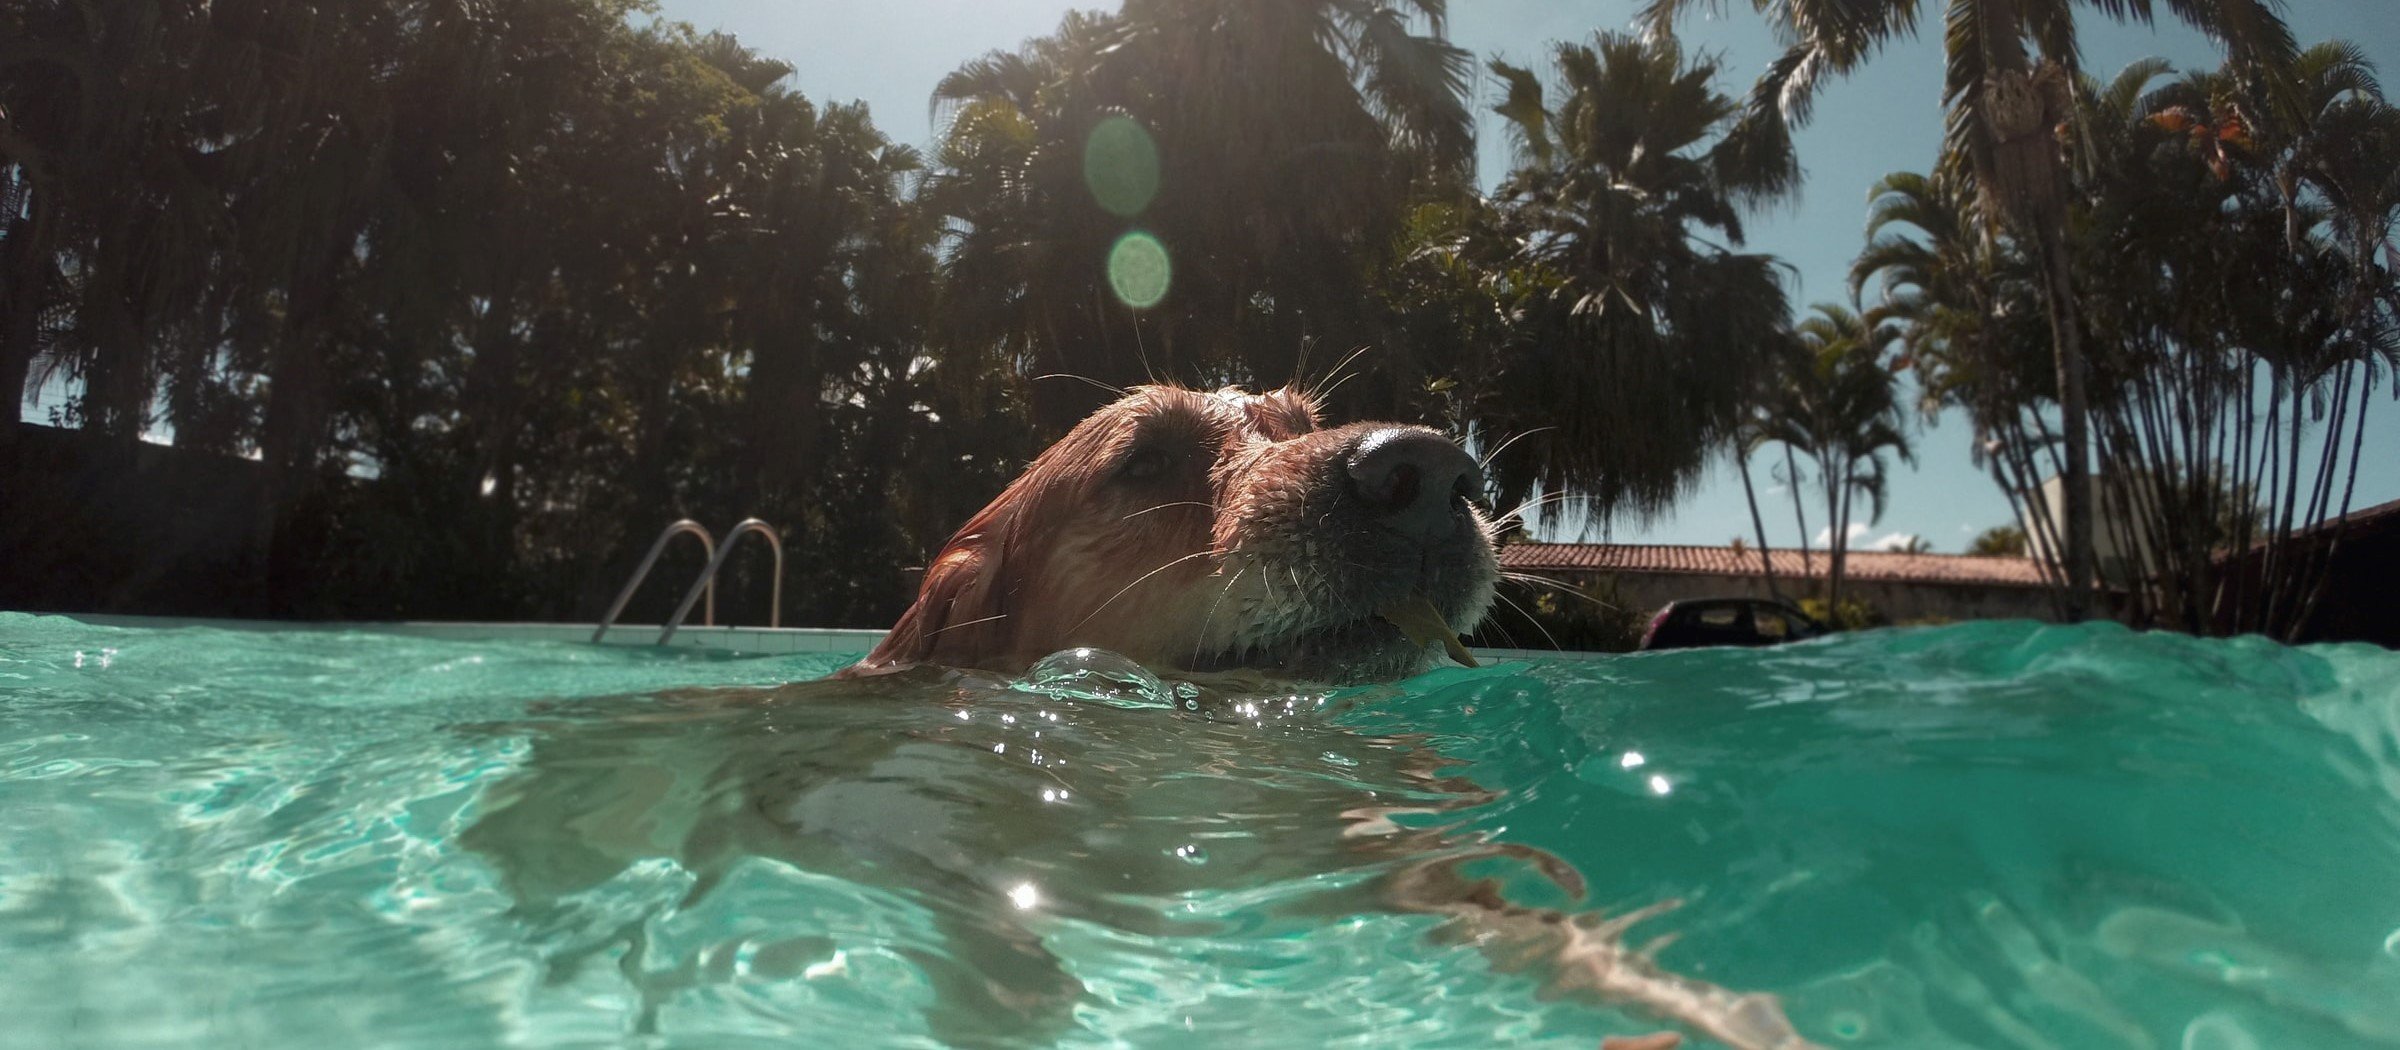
(1411, 478)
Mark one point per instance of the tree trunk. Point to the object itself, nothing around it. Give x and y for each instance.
(2022, 177)
(1766, 564)
(21, 303)
(785, 402)
(292, 434)
(2074, 412)
(1837, 543)
(1791, 478)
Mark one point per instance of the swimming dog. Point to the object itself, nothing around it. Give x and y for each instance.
(1193, 532)
(1207, 531)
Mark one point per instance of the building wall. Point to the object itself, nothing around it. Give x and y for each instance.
(1902, 602)
(2120, 549)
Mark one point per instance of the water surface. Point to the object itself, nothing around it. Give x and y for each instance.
(1988, 835)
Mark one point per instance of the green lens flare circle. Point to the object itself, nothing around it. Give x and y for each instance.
(1138, 270)
(1120, 166)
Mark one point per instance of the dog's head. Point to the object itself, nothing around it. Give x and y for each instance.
(1207, 531)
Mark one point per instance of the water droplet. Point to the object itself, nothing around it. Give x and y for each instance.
(1847, 1025)
(1096, 674)
(1191, 854)
(2217, 1030)
(834, 967)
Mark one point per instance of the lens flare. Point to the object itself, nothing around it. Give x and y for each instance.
(1138, 270)
(1120, 166)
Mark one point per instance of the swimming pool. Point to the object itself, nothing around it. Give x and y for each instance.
(1986, 835)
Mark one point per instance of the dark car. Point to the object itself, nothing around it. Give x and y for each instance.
(1728, 621)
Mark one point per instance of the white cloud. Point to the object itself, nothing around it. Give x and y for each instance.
(1893, 541)
(1850, 539)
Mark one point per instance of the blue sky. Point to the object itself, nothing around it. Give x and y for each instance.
(1887, 118)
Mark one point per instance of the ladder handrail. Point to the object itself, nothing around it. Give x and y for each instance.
(708, 577)
(708, 545)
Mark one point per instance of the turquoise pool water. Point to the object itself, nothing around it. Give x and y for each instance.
(1989, 835)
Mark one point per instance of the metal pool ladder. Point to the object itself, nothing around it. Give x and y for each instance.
(707, 583)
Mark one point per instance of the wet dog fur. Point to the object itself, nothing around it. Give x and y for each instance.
(1202, 531)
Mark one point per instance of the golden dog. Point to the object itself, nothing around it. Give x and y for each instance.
(1197, 531)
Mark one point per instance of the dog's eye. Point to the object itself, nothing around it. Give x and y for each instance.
(1145, 463)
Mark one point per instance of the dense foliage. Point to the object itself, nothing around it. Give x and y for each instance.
(493, 291)
(2231, 237)
(490, 292)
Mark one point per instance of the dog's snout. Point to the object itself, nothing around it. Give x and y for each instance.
(1412, 478)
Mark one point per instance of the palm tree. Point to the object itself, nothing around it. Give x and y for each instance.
(1836, 405)
(1743, 446)
(2006, 106)
(1624, 172)
(1999, 541)
(1023, 289)
(1288, 139)
(2276, 202)
(1964, 308)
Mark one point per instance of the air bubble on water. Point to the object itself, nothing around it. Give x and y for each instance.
(1191, 854)
(1097, 674)
(2217, 1030)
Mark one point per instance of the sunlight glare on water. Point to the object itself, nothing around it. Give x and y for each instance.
(1995, 834)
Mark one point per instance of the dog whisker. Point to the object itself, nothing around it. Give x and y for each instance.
(1163, 506)
(1537, 503)
(1200, 637)
(1323, 388)
(1138, 581)
(1327, 393)
(1487, 461)
(970, 623)
(1562, 586)
(1531, 619)
(1117, 390)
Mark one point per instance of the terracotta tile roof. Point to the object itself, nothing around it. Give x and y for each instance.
(1725, 561)
(2380, 515)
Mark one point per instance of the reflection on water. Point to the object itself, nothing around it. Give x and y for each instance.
(1988, 835)
(1168, 817)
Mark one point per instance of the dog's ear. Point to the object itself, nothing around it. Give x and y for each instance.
(959, 609)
